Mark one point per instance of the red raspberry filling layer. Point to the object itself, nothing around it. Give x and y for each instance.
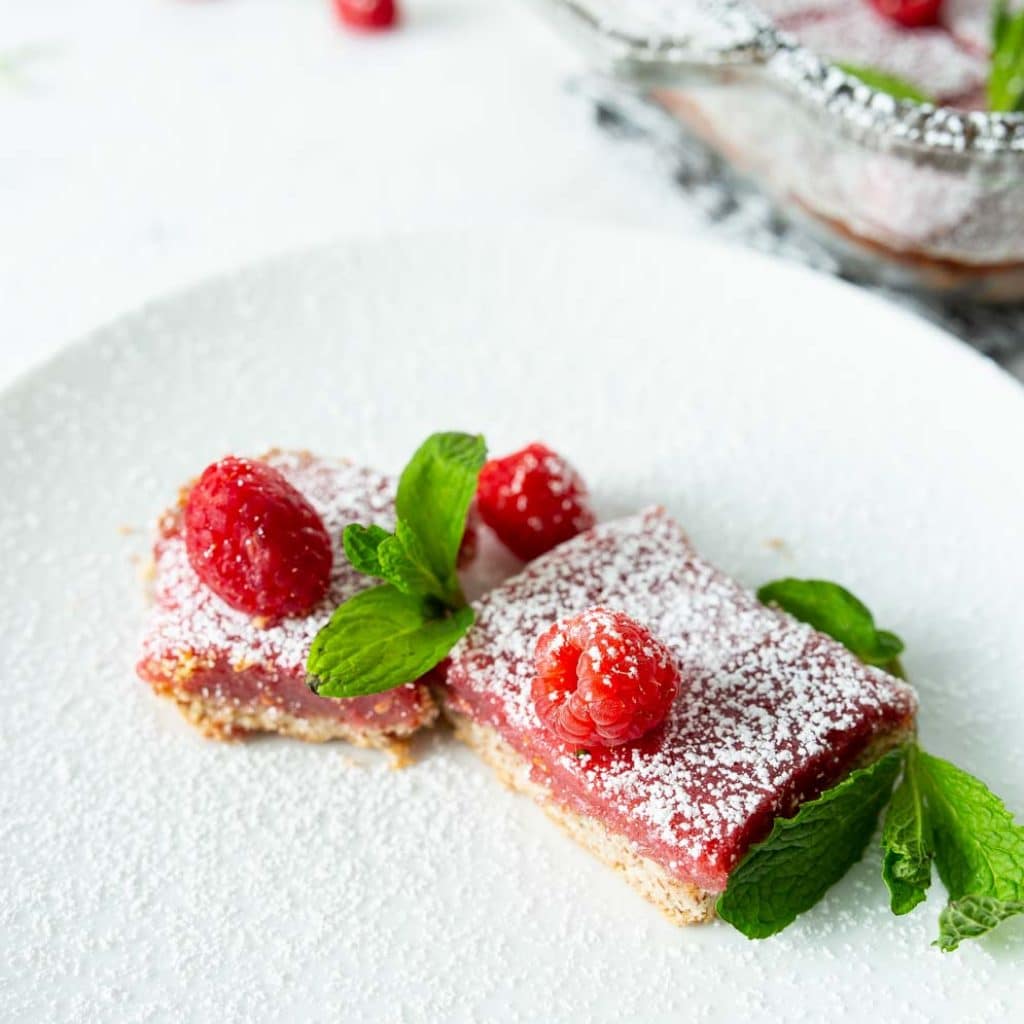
(769, 712)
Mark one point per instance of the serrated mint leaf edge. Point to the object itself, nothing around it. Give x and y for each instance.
(970, 917)
(977, 883)
(906, 841)
(403, 565)
(394, 558)
(361, 545)
(986, 816)
(741, 905)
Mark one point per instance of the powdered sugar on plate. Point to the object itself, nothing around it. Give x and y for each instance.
(150, 875)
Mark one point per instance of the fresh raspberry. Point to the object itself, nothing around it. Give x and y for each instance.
(533, 500)
(255, 541)
(370, 15)
(909, 13)
(602, 679)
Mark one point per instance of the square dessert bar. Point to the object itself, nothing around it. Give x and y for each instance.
(769, 714)
(232, 674)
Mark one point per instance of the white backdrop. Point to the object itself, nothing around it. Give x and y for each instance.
(147, 143)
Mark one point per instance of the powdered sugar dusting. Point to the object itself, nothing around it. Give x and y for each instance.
(152, 876)
(768, 709)
(188, 616)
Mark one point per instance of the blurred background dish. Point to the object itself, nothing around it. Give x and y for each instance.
(918, 196)
(153, 143)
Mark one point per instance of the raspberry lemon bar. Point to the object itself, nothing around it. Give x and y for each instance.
(234, 667)
(765, 712)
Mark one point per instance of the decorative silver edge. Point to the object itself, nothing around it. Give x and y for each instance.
(757, 44)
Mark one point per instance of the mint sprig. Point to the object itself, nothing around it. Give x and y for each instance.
(907, 846)
(803, 856)
(362, 544)
(832, 609)
(380, 639)
(882, 81)
(1006, 71)
(957, 822)
(979, 851)
(396, 632)
(434, 493)
(938, 814)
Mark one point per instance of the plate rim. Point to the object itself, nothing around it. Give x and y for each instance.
(546, 230)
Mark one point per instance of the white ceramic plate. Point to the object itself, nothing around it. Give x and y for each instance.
(794, 425)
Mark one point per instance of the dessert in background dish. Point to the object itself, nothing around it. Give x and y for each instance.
(945, 56)
(900, 148)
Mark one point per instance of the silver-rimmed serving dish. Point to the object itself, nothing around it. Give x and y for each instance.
(905, 193)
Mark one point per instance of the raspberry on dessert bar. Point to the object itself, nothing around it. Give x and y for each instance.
(255, 540)
(233, 673)
(602, 679)
(769, 713)
(533, 500)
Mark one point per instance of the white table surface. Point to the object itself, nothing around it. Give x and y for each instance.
(148, 143)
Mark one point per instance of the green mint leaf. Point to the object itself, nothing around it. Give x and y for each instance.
(979, 851)
(380, 639)
(832, 609)
(433, 498)
(361, 546)
(972, 916)
(404, 564)
(1006, 69)
(907, 849)
(803, 856)
(393, 634)
(894, 86)
(1000, 21)
(396, 558)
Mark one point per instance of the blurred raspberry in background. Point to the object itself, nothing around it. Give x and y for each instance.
(368, 15)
